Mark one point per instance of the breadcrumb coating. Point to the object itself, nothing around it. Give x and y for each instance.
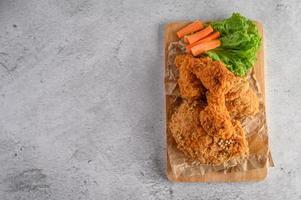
(215, 118)
(213, 74)
(196, 144)
(190, 86)
(246, 104)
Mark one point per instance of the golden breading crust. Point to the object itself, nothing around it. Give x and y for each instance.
(241, 101)
(195, 73)
(213, 74)
(190, 86)
(246, 104)
(188, 133)
(215, 118)
(240, 144)
(195, 143)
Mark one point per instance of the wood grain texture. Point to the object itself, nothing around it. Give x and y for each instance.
(250, 175)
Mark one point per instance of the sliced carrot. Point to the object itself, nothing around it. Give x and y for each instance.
(212, 36)
(199, 35)
(205, 46)
(193, 27)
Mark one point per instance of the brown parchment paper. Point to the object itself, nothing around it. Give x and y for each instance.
(255, 128)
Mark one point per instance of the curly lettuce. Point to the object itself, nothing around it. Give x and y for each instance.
(240, 42)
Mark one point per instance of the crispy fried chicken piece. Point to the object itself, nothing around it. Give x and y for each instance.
(190, 86)
(195, 143)
(215, 118)
(241, 101)
(234, 147)
(213, 74)
(246, 104)
(216, 121)
(188, 133)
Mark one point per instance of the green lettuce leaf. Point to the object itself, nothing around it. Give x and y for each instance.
(240, 42)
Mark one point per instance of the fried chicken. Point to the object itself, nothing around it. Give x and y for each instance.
(195, 143)
(190, 86)
(240, 144)
(188, 133)
(215, 118)
(211, 134)
(197, 73)
(246, 104)
(222, 150)
(241, 101)
(213, 74)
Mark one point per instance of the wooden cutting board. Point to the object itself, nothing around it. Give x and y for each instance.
(250, 175)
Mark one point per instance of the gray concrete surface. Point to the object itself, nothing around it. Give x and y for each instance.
(81, 99)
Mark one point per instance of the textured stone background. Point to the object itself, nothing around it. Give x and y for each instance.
(81, 99)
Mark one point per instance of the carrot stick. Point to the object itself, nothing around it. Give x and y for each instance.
(193, 27)
(212, 36)
(205, 46)
(199, 35)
